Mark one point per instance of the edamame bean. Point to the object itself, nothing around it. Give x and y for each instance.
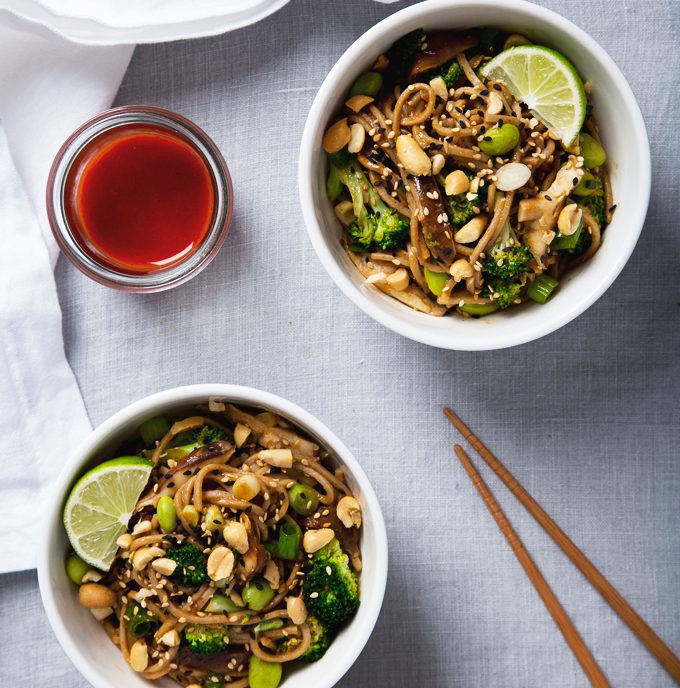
(367, 84)
(263, 674)
(213, 518)
(257, 594)
(165, 510)
(221, 603)
(76, 568)
(303, 499)
(592, 152)
(499, 140)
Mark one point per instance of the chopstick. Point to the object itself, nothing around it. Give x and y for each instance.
(611, 595)
(568, 630)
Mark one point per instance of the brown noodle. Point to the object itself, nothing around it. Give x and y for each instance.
(210, 482)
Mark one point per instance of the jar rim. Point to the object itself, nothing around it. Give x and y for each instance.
(65, 235)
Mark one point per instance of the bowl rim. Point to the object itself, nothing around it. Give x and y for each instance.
(393, 320)
(369, 609)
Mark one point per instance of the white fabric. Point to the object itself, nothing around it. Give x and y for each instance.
(48, 86)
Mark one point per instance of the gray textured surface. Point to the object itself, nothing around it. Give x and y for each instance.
(587, 417)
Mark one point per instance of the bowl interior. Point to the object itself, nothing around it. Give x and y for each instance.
(624, 138)
(83, 638)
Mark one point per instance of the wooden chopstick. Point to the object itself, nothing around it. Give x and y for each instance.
(568, 630)
(611, 595)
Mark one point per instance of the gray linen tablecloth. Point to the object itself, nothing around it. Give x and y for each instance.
(587, 417)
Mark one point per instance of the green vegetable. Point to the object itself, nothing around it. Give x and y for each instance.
(460, 208)
(568, 242)
(478, 309)
(289, 540)
(191, 569)
(541, 288)
(303, 499)
(140, 622)
(212, 518)
(435, 280)
(188, 441)
(401, 55)
(153, 430)
(333, 183)
(263, 674)
(500, 139)
(269, 625)
(220, 603)
(588, 186)
(207, 639)
(376, 224)
(451, 72)
(595, 206)
(367, 84)
(257, 594)
(592, 152)
(339, 159)
(322, 637)
(167, 517)
(190, 513)
(337, 593)
(505, 270)
(76, 568)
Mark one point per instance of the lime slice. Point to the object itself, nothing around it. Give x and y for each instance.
(546, 82)
(100, 505)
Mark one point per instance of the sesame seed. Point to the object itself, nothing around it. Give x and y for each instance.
(314, 595)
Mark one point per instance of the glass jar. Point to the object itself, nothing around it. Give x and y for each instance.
(93, 147)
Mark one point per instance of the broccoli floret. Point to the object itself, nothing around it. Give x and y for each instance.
(191, 565)
(376, 224)
(401, 55)
(208, 639)
(595, 206)
(451, 72)
(505, 271)
(189, 440)
(322, 637)
(459, 208)
(331, 598)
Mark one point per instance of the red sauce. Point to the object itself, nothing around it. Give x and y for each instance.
(140, 198)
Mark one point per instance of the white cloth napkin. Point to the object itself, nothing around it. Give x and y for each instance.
(48, 86)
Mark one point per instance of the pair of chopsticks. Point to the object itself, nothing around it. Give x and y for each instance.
(611, 595)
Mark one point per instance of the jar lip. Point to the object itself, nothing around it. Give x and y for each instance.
(65, 236)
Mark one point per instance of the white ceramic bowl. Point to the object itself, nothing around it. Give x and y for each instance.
(83, 639)
(624, 137)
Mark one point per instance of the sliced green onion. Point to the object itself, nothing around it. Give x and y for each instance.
(269, 625)
(333, 183)
(541, 288)
(139, 621)
(303, 499)
(289, 540)
(339, 159)
(478, 309)
(568, 242)
(153, 430)
(221, 603)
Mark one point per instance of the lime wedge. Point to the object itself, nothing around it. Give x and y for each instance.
(546, 82)
(100, 505)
